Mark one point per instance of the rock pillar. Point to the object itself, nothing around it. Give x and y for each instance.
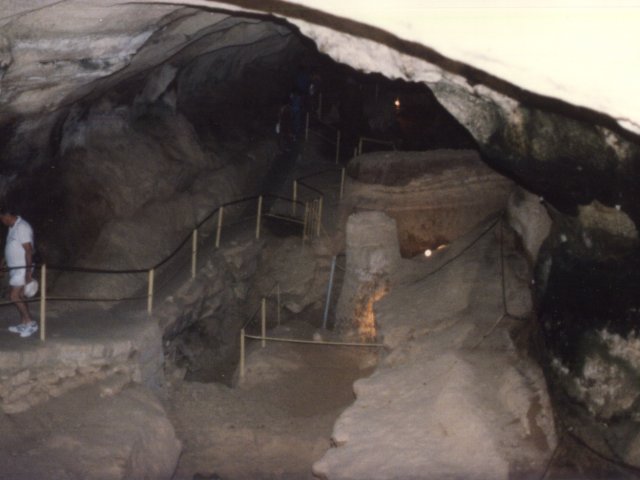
(372, 251)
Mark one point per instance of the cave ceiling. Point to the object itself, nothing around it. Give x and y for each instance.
(548, 91)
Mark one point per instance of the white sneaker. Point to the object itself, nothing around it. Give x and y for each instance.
(17, 328)
(29, 329)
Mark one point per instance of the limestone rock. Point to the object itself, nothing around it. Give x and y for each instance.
(372, 254)
(612, 220)
(294, 268)
(632, 453)
(434, 196)
(121, 436)
(452, 398)
(607, 383)
(5, 55)
(528, 217)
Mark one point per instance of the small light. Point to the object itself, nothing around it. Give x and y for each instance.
(397, 103)
(618, 207)
(428, 252)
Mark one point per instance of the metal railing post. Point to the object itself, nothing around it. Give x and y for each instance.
(219, 228)
(342, 174)
(314, 225)
(306, 127)
(319, 224)
(263, 321)
(304, 223)
(150, 292)
(43, 302)
(295, 197)
(278, 303)
(259, 217)
(319, 111)
(338, 147)
(329, 289)
(242, 354)
(360, 146)
(194, 253)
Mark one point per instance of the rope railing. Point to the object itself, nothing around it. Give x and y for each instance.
(332, 140)
(194, 238)
(262, 308)
(362, 140)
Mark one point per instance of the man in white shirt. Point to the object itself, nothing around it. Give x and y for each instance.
(18, 254)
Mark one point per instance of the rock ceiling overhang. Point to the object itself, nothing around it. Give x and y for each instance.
(582, 53)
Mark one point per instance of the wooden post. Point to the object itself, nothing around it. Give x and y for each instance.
(306, 127)
(309, 219)
(43, 302)
(242, 354)
(338, 147)
(278, 303)
(259, 218)
(342, 183)
(150, 293)
(329, 288)
(263, 321)
(316, 219)
(194, 253)
(219, 229)
(319, 224)
(304, 223)
(295, 197)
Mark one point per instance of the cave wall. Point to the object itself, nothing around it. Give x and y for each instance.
(145, 132)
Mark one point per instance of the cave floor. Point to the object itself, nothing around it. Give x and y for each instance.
(279, 420)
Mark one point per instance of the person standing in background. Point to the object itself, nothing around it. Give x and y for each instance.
(18, 253)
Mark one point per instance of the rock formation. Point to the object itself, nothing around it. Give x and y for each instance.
(434, 196)
(452, 398)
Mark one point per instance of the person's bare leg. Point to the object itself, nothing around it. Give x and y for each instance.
(17, 298)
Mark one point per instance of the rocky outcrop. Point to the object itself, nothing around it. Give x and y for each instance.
(452, 398)
(529, 219)
(136, 187)
(297, 271)
(434, 196)
(372, 252)
(128, 348)
(93, 433)
(201, 321)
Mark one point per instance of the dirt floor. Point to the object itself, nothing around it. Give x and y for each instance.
(275, 423)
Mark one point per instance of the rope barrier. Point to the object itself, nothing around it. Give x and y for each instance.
(263, 338)
(314, 342)
(387, 143)
(464, 250)
(192, 237)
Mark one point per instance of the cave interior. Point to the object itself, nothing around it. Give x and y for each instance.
(122, 125)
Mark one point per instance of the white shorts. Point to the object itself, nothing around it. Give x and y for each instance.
(17, 277)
